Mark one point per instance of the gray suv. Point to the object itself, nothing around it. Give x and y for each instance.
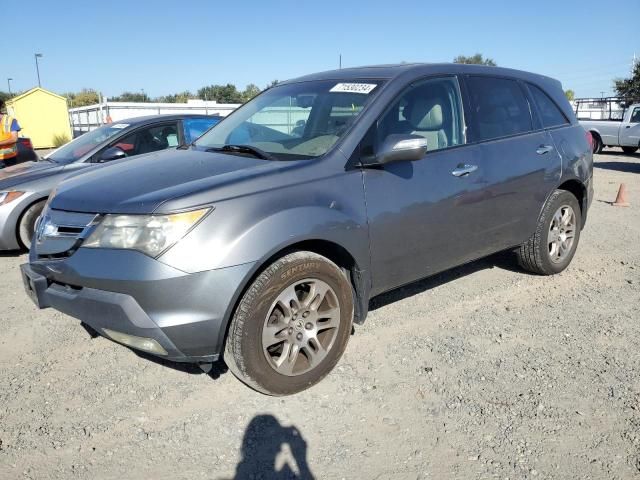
(264, 240)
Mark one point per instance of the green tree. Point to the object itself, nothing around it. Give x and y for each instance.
(629, 87)
(181, 97)
(250, 91)
(86, 96)
(221, 93)
(476, 59)
(273, 83)
(4, 96)
(131, 97)
(570, 94)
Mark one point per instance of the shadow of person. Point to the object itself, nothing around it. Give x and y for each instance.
(271, 451)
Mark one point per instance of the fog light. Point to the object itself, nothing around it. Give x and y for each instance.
(141, 343)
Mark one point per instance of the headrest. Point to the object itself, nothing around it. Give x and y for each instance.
(425, 114)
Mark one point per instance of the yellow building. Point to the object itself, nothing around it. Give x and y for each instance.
(42, 115)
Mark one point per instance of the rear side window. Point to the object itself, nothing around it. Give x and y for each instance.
(500, 108)
(551, 115)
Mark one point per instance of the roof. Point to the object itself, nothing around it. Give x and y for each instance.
(34, 90)
(172, 116)
(387, 72)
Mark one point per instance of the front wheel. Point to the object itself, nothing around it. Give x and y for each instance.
(291, 326)
(629, 150)
(551, 248)
(27, 225)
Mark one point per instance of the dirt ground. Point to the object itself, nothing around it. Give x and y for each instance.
(481, 372)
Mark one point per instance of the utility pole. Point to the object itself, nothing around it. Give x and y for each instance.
(340, 61)
(38, 55)
(601, 94)
(9, 84)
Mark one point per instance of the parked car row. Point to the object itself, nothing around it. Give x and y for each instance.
(28, 185)
(263, 240)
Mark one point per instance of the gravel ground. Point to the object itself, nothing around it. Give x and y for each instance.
(481, 372)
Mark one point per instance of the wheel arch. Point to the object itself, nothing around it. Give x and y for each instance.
(332, 250)
(579, 190)
(26, 207)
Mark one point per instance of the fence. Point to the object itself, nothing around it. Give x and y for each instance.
(87, 118)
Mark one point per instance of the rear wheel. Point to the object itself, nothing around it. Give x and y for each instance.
(291, 326)
(597, 143)
(629, 150)
(551, 248)
(27, 225)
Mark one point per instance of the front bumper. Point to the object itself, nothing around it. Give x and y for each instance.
(131, 293)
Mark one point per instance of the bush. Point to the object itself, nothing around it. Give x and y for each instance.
(61, 139)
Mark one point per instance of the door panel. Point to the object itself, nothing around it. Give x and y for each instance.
(422, 219)
(519, 179)
(630, 132)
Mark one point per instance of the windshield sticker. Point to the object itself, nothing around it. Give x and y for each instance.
(364, 88)
(120, 125)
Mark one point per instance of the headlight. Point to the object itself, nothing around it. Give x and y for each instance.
(149, 234)
(6, 197)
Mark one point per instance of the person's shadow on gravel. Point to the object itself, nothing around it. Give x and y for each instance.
(271, 451)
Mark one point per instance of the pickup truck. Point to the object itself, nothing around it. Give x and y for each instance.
(614, 128)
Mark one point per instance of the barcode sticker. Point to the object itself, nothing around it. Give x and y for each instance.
(363, 88)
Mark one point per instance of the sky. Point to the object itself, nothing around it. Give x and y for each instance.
(163, 47)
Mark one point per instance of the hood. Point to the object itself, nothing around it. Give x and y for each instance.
(26, 172)
(164, 181)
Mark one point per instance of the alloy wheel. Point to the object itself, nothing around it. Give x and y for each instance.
(301, 327)
(562, 233)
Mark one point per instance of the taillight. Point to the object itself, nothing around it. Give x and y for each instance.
(587, 134)
(26, 142)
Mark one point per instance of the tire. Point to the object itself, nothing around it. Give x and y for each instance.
(27, 225)
(262, 317)
(597, 143)
(549, 250)
(629, 150)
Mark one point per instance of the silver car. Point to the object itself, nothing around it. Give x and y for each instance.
(25, 187)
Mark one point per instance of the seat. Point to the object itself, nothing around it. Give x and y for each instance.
(425, 117)
(169, 137)
(147, 143)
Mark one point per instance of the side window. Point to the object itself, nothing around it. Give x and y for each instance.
(194, 127)
(431, 109)
(635, 115)
(149, 139)
(552, 116)
(499, 106)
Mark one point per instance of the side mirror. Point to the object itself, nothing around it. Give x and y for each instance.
(401, 148)
(112, 153)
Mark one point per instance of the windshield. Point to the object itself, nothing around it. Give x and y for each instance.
(75, 149)
(292, 121)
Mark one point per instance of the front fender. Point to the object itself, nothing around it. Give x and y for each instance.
(215, 245)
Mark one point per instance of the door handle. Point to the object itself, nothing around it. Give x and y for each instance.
(542, 149)
(628, 126)
(462, 170)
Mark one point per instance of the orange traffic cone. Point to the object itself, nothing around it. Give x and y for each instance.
(621, 199)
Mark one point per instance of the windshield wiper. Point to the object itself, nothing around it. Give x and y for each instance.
(256, 152)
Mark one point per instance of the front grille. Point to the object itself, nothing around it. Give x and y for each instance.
(59, 233)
